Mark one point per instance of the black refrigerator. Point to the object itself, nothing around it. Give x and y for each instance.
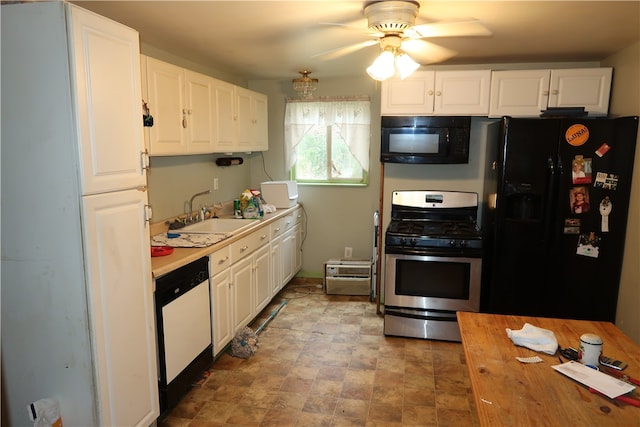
(557, 196)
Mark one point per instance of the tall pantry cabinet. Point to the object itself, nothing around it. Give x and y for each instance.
(77, 301)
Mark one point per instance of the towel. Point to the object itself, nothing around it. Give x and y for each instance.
(188, 240)
(535, 338)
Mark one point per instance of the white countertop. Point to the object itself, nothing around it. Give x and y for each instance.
(182, 256)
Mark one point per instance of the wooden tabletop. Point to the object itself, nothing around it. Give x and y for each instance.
(510, 393)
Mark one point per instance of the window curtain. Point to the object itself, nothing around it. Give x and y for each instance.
(351, 116)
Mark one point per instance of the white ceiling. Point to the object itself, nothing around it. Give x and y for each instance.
(275, 39)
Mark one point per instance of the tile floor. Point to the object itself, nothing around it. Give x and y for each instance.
(323, 361)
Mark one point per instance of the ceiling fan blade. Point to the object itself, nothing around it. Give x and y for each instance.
(424, 52)
(354, 27)
(341, 51)
(448, 29)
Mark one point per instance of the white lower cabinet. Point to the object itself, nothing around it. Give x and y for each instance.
(262, 277)
(240, 285)
(242, 293)
(221, 313)
(248, 273)
(286, 249)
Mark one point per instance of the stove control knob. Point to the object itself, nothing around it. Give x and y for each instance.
(463, 243)
(403, 241)
(452, 243)
(413, 241)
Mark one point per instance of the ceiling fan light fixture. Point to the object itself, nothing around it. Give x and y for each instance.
(383, 66)
(405, 65)
(305, 85)
(390, 61)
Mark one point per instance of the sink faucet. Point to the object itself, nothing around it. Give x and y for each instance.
(202, 193)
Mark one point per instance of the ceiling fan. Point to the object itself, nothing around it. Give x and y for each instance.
(391, 24)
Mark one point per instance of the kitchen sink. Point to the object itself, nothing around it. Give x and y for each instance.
(218, 225)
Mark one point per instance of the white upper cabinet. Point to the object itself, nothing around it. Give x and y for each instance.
(106, 72)
(581, 87)
(444, 93)
(519, 93)
(225, 133)
(411, 96)
(181, 103)
(526, 93)
(197, 114)
(252, 120)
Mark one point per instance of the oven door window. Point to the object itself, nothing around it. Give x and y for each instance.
(434, 279)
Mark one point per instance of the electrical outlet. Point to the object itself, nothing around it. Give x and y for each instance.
(216, 184)
(348, 252)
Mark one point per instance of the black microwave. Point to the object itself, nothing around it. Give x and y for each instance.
(425, 139)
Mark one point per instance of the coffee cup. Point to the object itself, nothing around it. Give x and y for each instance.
(590, 350)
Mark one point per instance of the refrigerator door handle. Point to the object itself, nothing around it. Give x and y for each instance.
(547, 223)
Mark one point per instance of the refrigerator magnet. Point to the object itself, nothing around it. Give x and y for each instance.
(581, 170)
(605, 210)
(579, 200)
(602, 150)
(606, 181)
(577, 135)
(588, 245)
(571, 226)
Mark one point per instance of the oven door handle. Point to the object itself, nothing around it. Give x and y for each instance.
(446, 316)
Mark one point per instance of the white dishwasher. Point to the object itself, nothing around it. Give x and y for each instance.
(183, 320)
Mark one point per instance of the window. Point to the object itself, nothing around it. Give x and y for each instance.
(327, 140)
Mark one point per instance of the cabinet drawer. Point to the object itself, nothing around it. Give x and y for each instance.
(219, 260)
(277, 228)
(248, 244)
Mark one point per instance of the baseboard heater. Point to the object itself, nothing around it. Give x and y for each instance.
(347, 277)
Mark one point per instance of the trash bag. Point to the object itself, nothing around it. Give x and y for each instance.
(244, 344)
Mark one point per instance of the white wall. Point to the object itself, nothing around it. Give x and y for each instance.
(625, 101)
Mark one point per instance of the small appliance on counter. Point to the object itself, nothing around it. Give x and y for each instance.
(281, 194)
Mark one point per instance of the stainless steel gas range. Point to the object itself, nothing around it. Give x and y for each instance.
(433, 258)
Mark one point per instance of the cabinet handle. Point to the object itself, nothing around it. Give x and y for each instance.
(545, 93)
(438, 93)
(277, 229)
(144, 158)
(184, 118)
(554, 92)
(430, 92)
(223, 260)
(148, 213)
(264, 236)
(244, 248)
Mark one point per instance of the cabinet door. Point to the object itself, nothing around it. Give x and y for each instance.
(519, 93)
(262, 277)
(298, 245)
(242, 292)
(199, 114)
(105, 68)
(221, 310)
(276, 265)
(581, 87)
(118, 262)
(225, 117)
(288, 255)
(165, 85)
(260, 122)
(412, 96)
(244, 118)
(462, 92)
